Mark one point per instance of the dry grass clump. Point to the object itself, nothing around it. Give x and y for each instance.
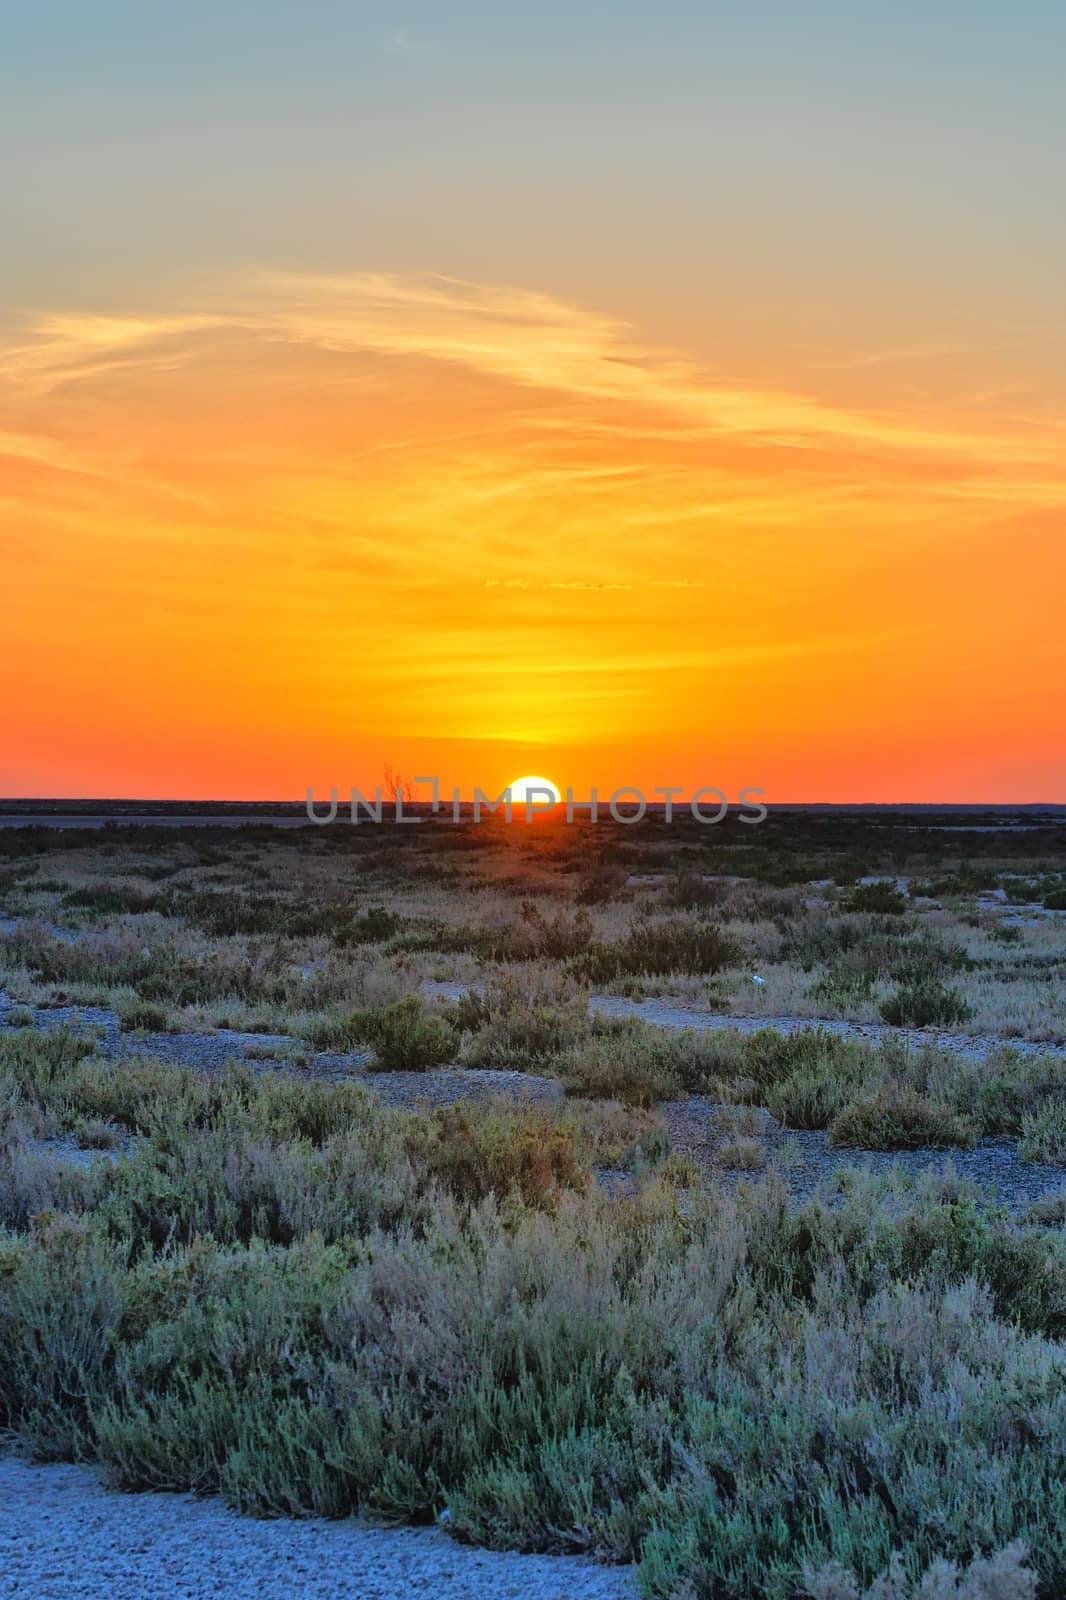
(739, 1148)
(1004, 1576)
(740, 1154)
(94, 1133)
(601, 884)
(1049, 1212)
(617, 1135)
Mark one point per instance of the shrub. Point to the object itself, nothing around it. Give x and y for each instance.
(811, 1095)
(603, 883)
(554, 938)
(404, 1036)
(1043, 1133)
(882, 897)
(408, 1037)
(739, 1395)
(373, 927)
(968, 880)
(842, 987)
(111, 899)
(869, 956)
(92, 1133)
(897, 1117)
(1008, 1088)
(692, 891)
(627, 1059)
(501, 1152)
(658, 946)
(523, 1021)
(343, 1033)
(621, 1063)
(134, 1014)
(225, 912)
(925, 1003)
(60, 1311)
(36, 1059)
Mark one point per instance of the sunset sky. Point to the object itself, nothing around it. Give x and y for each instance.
(630, 393)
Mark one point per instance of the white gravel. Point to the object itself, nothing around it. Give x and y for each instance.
(65, 1537)
(972, 1046)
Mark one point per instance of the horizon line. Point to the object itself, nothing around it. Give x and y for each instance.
(19, 803)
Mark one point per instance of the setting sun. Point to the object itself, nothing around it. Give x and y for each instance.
(533, 790)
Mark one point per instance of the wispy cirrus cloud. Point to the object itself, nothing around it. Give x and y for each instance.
(523, 337)
(401, 42)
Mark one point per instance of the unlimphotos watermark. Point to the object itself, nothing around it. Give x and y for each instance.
(627, 804)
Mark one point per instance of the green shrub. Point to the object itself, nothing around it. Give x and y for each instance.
(1006, 1089)
(115, 899)
(842, 987)
(883, 897)
(658, 946)
(404, 1036)
(870, 956)
(738, 1395)
(1043, 1132)
(62, 1295)
(897, 1117)
(627, 1059)
(38, 1058)
(811, 1095)
(373, 927)
(134, 1015)
(343, 1034)
(925, 1003)
(408, 1037)
(621, 1063)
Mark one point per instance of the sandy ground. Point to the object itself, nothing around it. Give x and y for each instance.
(65, 1537)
